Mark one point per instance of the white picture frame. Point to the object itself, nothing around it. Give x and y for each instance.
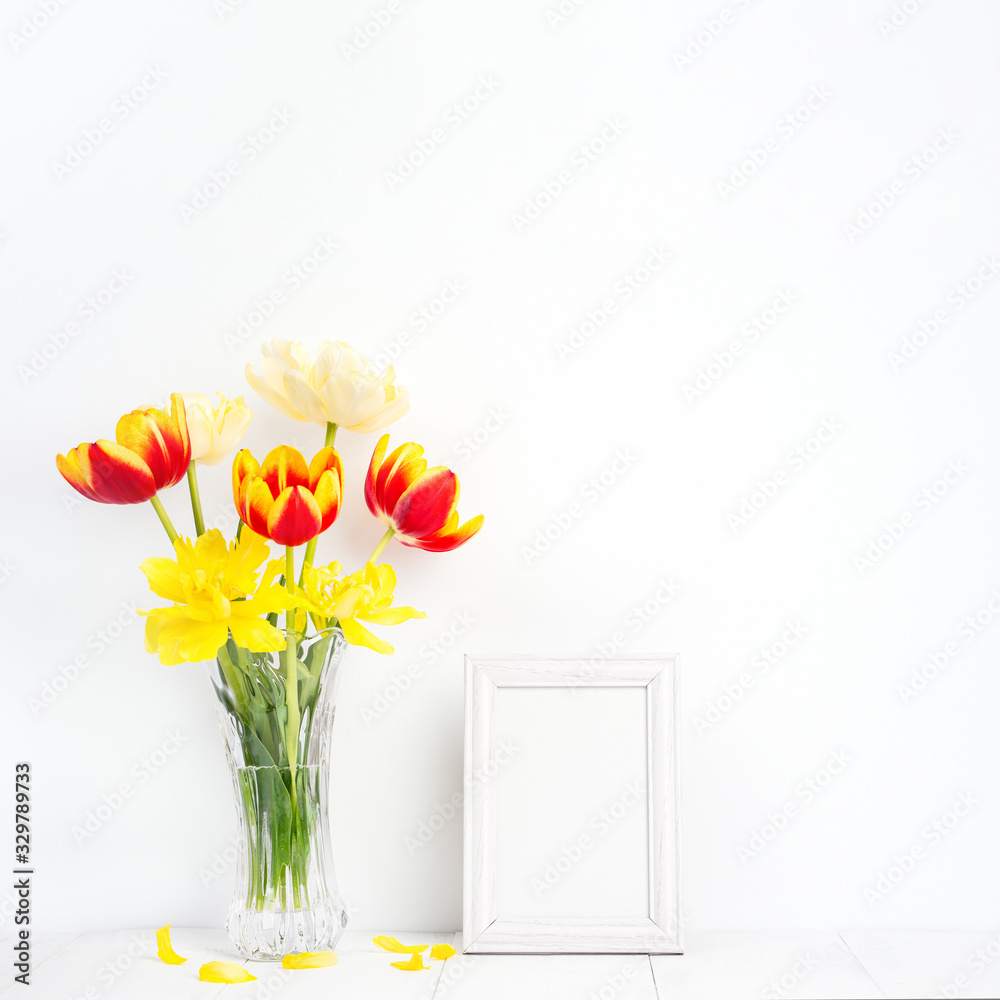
(487, 932)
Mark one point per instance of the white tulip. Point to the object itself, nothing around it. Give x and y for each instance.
(334, 385)
(215, 430)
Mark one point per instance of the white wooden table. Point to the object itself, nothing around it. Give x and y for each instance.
(717, 966)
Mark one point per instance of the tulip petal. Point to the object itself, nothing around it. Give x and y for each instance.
(325, 460)
(284, 467)
(328, 496)
(164, 578)
(165, 950)
(255, 504)
(442, 952)
(446, 541)
(415, 964)
(304, 397)
(399, 463)
(309, 960)
(244, 465)
(373, 469)
(224, 972)
(108, 473)
(357, 635)
(255, 633)
(427, 504)
(295, 517)
(397, 403)
(159, 439)
(395, 945)
(270, 387)
(394, 616)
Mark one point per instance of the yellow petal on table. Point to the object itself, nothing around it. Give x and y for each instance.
(442, 951)
(415, 964)
(309, 960)
(165, 949)
(224, 972)
(394, 944)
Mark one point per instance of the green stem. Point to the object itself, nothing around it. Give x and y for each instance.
(291, 677)
(164, 520)
(307, 559)
(199, 519)
(382, 544)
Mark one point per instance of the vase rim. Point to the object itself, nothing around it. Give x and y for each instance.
(299, 635)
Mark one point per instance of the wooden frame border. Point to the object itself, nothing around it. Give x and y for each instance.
(483, 932)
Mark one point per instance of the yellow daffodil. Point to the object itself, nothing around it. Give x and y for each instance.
(364, 596)
(396, 946)
(415, 964)
(333, 384)
(165, 950)
(215, 591)
(224, 972)
(442, 952)
(215, 430)
(309, 960)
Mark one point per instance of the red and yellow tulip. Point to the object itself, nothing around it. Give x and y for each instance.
(286, 500)
(419, 505)
(152, 451)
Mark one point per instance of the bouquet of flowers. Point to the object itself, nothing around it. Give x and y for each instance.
(275, 685)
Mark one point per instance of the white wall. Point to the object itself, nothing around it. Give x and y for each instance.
(881, 96)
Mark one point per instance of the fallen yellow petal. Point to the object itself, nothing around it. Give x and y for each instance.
(165, 949)
(394, 944)
(309, 960)
(224, 972)
(442, 951)
(415, 964)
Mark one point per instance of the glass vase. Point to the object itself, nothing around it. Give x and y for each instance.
(276, 711)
